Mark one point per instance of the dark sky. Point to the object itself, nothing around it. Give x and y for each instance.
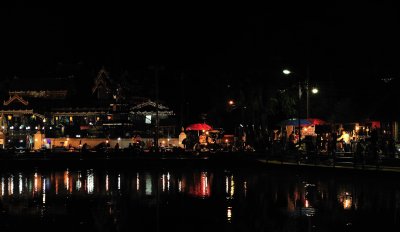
(333, 37)
(349, 44)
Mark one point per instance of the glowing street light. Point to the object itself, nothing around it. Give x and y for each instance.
(286, 71)
(314, 90)
(231, 102)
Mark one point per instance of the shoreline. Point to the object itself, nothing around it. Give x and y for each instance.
(235, 161)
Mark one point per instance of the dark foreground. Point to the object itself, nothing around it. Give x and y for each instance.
(193, 194)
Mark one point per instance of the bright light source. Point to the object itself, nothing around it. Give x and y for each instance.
(231, 102)
(78, 136)
(44, 120)
(119, 138)
(314, 90)
(286, 71)
(11, 127)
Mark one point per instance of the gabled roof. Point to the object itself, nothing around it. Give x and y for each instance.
(149, 103)
(149, 108)
(17, 99)
(102, 80)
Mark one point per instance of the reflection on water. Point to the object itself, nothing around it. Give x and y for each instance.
(93, 200)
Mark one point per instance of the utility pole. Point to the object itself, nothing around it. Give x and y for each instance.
(156, 72)
(299, 123)
(308, 97)
(182, 85)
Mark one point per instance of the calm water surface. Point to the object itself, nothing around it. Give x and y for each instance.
(196, 200)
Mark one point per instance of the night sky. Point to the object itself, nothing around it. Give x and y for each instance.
(204, 49)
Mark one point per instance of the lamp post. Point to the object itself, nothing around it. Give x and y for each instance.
(156, 69)
(314, 90)
(232, 105)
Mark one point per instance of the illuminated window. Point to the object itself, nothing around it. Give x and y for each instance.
(70, 119)
(97, 118)
(56, 118)
(148, 119)
(9, 117)
(109, 117)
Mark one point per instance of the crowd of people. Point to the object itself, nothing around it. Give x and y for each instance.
(334, 142)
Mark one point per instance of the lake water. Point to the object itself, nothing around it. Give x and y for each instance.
(196, 200)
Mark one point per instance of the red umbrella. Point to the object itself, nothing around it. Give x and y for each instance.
(316, 121)
(198, 127)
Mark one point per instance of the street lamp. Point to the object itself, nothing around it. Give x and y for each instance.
(286, 71)
(314, 90)
(232, 105)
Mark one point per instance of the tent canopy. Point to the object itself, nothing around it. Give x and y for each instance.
(303, 122)
(295, 122)
(316, 121)
(198, 127)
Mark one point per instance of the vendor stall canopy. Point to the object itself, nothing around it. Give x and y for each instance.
(303, 122)
(199, 127)
(295, 122)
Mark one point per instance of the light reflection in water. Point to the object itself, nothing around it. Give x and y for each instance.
(293, 198)
(201, 186)
(149, 185)
(78, 182)
(245, 188)
(56, 184)
(44, 192)
(229, 214)
(11, 185)
(90, 181)
(107, 183)
(119, 181)
(229, 186)
(66, 180)
(163, 182)
(137, 182)
(347, 200)
(2, 186)
(20, 183)
(168, 181)
(35, 183)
